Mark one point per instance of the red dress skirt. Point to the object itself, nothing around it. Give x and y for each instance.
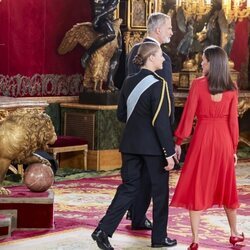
(208, 174)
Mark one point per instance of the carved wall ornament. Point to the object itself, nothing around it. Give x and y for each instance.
(3, 114)
(243, 106)
(40, 85)
(131, 38)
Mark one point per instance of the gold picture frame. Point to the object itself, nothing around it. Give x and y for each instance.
(135, 13)
(138, 12)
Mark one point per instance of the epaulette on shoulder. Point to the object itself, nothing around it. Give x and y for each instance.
(158, 77)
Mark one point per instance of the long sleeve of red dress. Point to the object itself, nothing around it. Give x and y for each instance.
(233, 121)
(184, 128)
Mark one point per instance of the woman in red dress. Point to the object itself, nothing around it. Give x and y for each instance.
(208, 174)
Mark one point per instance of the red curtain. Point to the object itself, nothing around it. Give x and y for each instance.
(239, 53)
(31, 31)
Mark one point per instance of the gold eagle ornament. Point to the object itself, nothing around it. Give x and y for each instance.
(97, 70)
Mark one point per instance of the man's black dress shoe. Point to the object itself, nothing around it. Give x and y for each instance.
(147, 225)
(128, 215)
(101, 239)
(167, 242)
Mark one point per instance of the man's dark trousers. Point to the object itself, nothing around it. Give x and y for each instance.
(127, 191)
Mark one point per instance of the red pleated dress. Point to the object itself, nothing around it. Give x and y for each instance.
(208, 174)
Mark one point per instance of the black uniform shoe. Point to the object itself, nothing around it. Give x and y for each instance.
(166, 243)
(147, 225)
(128, 215)
(101, 239)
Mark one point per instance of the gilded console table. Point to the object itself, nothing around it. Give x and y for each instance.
(9, 104)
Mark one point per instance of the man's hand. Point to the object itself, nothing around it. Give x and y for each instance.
(170, 165)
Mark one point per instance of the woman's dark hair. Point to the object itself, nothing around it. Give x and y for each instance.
(145, 50)
(219, 78)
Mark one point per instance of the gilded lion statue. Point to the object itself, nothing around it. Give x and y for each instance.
(98, 70)
(21, 134)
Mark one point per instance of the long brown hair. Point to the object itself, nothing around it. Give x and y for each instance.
(219, 79)
(145, 50)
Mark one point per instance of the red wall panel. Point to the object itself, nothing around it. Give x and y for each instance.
(240, 46)
(63, 18)
(4, 36)
(31, 31)
(26, 41)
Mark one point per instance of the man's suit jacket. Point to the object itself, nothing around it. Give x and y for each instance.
(140, 136)
(165, 72)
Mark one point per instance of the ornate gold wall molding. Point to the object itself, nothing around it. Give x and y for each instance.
(244, 105)
(135, 12)
(131, 38)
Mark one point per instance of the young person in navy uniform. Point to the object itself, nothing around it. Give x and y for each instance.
(147, 142)
(159, 31)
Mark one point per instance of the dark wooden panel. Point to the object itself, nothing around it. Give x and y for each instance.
(80, 125)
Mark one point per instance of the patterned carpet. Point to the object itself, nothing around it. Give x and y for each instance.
(80, 204)
(79, 239)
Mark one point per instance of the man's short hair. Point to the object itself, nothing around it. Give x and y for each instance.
(155, 20)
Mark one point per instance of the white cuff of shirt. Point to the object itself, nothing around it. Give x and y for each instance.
(170, 156)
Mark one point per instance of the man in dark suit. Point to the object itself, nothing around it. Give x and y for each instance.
(159, 30)
(147, 142)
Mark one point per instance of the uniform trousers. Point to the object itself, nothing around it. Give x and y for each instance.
(131, 174)
(142, 201)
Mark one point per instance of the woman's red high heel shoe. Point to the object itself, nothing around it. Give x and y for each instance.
(193, 246)
(236, 239)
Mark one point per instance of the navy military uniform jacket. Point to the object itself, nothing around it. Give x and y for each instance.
(142, 135)
(165, 72)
